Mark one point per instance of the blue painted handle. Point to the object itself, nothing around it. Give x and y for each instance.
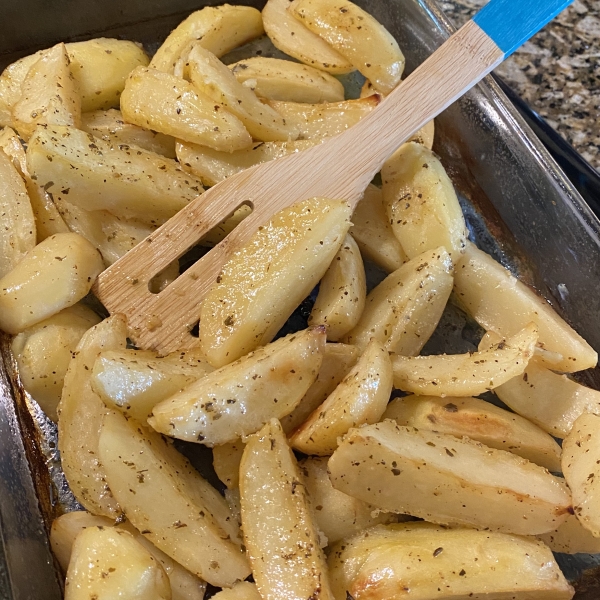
(510, 23)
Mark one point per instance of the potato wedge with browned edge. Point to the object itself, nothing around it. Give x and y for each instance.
(445, 480)
(135, 381)
(419, 561)
(336, 514)
(168, 104)
(280, 537)
(467, 374)
(170, 503)
(239, 398)
(359, 399)
(404, 309)
(263, 282)
(480, 421)
(80, 415)
(499, 302)
(342, 292)
(293, 38)
(357, 36)
(219, 29)
(581, 467)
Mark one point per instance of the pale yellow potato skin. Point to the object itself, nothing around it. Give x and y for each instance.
(47, 218)
(263, 282)
(93, 174)
(168, 104)
(279, 533)
(550, 400)
(480, 421)
(357, 36)
(220, 29)
(64, 266)
(336, 514)
(373, 233)
(499, 302)
(184, 585)
(361, 398)
(276, 79)
(581, 450)
(226, 462)
(43, 353)
(421, 561)
(571, 538)
(404, 309)
(211, 77)
(342, 292)
(338, 359)
(110, 126)
(171, 504)
(80, 416)
(316, 121)
(238, 399)
(468, 374)
(421, 203)
(212, 166)
(49, 94)
(19, 237)
(296, 40)
(447, 480)
(135, 381)
(110, 563)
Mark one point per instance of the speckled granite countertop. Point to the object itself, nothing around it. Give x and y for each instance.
(557, 72)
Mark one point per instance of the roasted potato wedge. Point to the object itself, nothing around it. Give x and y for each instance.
(80, 415)
(480, 421)
(359, 399)
(445, 480)
(47, 218)
(109, 126)
(357, 36)
(238, 399)
(422, 562)
(168, 104)
(184, 585)
(571, 538)
(276, 79)
(421, 203)
(466, 374)
(19, 238)
(226, 462)
(404, 309)
(49, 94)
(65, 266)
(93, 174)
(43, 353)
(211, 77)
(212, 166)
(263, 282)
(170, 503)
(135, 381)
(244, 590)
(293, 38)
(551, 401)
(219, 29)
(280, 537)
(342, 292)
(109, 562)
(499, 302)
(338, 359)
(580, 463)
(336, 514)
(316, 121)
(373, 233)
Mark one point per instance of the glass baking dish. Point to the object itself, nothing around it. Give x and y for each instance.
(519, 207)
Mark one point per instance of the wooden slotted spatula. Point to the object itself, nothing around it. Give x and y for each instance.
(341, 168)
